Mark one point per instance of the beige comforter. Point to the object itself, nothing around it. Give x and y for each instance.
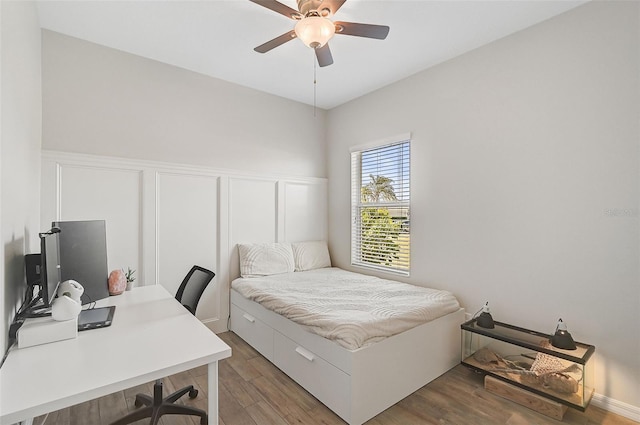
(351, 309)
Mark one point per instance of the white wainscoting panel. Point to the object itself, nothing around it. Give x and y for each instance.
(187, 234)
(110, 194)
(163, 218)
(305, 211)
(252, 215)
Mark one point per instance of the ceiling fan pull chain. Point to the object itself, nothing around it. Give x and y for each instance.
(314, 83)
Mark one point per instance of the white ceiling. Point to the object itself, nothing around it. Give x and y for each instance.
(217, 37)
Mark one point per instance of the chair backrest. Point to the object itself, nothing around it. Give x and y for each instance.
(192, 287)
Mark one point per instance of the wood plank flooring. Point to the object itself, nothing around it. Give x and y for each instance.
(254, 392)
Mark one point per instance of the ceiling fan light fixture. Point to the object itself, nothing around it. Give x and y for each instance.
(315, 31)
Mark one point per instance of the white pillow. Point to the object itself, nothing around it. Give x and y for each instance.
(264, 259)
(311, 255)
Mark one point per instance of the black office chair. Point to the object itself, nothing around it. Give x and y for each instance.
(189, 293)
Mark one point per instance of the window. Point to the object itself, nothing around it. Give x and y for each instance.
(380, 214)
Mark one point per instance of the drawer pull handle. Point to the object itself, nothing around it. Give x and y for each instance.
(249, 318)
(306, 354)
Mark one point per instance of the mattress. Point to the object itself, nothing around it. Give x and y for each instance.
(351, 309)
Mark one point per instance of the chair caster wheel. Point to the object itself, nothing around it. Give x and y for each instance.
(193, 394)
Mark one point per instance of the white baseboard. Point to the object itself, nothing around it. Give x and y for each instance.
(616, 406)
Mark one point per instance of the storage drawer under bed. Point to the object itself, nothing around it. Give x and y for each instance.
(253, 330)
(325, 381)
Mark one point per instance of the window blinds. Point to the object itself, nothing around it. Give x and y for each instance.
(380, 213)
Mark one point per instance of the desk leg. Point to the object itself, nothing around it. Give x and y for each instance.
(213, 392)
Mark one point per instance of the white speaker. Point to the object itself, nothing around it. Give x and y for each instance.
(67, 304)
(71, 288)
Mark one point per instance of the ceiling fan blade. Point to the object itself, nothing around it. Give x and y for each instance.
(362, 30)
(323, 54)
(332, 5)
(280, 8)
(272, 44)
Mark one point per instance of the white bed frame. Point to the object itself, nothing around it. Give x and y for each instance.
(358, 384)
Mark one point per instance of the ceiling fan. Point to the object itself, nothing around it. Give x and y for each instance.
(315, 28)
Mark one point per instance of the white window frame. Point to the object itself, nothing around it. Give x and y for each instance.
(400, 230)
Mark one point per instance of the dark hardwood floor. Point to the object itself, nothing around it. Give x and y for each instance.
(254, 392)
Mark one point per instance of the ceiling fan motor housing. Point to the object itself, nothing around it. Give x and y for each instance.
(306, 6)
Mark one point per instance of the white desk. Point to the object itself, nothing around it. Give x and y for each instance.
(152, 336)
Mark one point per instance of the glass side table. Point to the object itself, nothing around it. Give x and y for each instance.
(527, 360)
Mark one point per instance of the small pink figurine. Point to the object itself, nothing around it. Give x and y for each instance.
(117, 282)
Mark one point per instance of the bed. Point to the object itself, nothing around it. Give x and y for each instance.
(358, 366)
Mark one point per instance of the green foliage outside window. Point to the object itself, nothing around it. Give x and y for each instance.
(379, 236)
(379, 230)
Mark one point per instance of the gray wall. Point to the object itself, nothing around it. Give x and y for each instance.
(524, 179)
(103, 101)
(20, 93)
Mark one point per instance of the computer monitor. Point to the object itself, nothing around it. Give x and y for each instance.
(50, 275)
(83, 256)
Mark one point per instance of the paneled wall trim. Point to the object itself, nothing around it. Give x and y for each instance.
(162, 218)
